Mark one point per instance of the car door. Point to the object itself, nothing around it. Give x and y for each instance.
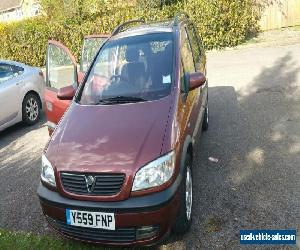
(91, 45)
(61, 71)
(193, 111)
(10, 102)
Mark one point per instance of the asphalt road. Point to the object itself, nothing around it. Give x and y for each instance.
(254, 133)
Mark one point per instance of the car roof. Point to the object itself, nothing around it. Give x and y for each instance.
(146, 28)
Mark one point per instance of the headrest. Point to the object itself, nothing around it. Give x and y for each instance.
(132, 55)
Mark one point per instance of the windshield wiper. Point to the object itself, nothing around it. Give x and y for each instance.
(121, 99)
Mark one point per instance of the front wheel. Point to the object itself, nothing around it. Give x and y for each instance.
(205, 118)
(184, 218)
(31, 109)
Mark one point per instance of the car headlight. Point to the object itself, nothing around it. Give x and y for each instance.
(47, 174)
(155, 173)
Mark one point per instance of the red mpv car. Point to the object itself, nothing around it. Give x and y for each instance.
(118, 167)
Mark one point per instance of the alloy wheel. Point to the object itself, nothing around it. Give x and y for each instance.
(207, 114)
(188, 193)
(32, 109)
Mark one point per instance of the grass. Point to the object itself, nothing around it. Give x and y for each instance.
(19, 240)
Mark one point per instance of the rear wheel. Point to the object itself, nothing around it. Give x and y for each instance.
(31, 110)
(184, 218)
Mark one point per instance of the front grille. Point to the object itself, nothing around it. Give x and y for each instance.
(103, 185)
(124, 235)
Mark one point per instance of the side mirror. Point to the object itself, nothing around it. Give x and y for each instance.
(66, 93)
(195, 80)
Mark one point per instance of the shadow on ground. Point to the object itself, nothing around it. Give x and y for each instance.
(20, 145)
(255, 134)
(20, 155)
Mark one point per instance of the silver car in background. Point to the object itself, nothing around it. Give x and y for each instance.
(21, 93)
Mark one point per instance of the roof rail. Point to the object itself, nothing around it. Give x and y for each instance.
(178, 16)
(119, 28)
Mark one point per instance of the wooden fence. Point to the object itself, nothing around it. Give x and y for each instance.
(280, 13)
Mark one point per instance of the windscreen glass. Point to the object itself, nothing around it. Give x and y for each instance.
(137, 68)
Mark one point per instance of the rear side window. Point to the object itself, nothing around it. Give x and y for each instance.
(89, 50)
(60, 67)
(5, 68)
(186, 52)
(194, 45)
(17, 70)
(8, 71)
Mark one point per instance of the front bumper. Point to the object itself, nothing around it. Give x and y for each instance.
(158, 210)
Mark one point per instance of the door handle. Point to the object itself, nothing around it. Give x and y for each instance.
(18, 83)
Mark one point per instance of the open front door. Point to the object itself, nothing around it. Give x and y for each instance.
(61, 71)
(91, 45)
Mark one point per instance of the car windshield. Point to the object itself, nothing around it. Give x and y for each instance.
(131, 69)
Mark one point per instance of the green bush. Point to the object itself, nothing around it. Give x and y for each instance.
(221, 23)
(224, 23)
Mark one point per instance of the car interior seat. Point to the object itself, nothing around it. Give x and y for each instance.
(133, 70)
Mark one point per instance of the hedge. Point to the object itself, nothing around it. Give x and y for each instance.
(221, 23)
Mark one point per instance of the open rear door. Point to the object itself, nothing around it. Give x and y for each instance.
(61, 71)
(91, 45)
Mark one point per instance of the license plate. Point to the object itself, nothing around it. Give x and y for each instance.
(90, 219)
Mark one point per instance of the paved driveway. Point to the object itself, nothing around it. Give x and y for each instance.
(254, 132)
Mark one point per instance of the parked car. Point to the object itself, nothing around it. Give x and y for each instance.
(21, 93)
(118, 168)
(60, 63)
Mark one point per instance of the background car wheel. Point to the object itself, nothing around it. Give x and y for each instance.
(205, 118)
(184, 217)
(31, 109)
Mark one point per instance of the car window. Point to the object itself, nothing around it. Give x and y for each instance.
(138, 66)
(7, 72)
(4, 68)
(60, 67)
(89, 50)
(194, 45)
(183, 84)
(17, 70)
(186, 53)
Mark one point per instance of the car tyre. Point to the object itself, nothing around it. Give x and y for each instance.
(205, 118)
(184, 217)
(31, 109)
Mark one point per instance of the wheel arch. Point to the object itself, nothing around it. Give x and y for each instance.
(36, 94)
(187, 149)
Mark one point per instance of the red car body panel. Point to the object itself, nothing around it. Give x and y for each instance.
(111, 148)
(164, 217)
(58, 107)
